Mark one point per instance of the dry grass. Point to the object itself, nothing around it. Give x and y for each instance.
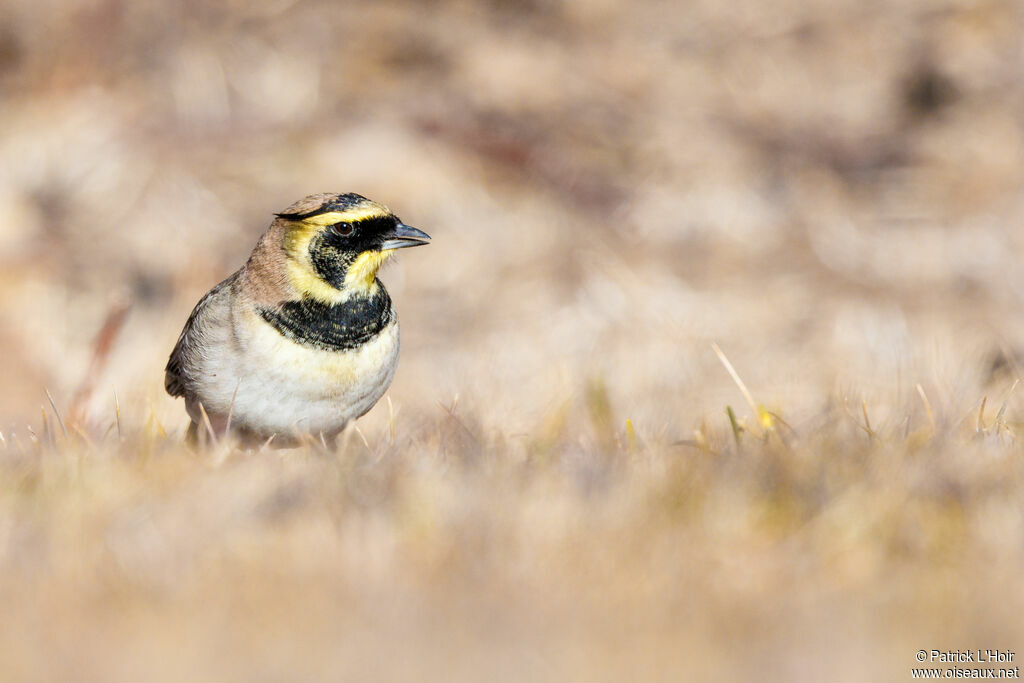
(565, 481)
(573, 552)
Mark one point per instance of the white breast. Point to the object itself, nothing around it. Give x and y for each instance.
(284, 387)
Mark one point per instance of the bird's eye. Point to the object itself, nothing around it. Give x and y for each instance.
(343, 229)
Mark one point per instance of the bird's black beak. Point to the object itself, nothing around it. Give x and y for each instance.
(404, 236)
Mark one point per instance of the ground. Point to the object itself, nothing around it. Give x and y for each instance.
(709, 371)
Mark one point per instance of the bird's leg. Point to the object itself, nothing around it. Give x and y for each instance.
(192, 435)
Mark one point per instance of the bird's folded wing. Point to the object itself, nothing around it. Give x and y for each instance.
(177, 376)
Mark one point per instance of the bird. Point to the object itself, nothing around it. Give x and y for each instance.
(302, 339)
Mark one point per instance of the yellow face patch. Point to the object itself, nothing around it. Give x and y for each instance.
(361, 275)
(308, 283)
(301, 274)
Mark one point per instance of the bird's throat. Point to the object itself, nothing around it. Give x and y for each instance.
(361, 275)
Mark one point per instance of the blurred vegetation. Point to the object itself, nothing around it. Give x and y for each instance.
(831, 191)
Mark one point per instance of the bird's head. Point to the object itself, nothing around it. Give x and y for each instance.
(335, 244)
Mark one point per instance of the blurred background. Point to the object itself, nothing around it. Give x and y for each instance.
(831, 190)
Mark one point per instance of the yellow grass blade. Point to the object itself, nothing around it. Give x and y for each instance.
(927, 406)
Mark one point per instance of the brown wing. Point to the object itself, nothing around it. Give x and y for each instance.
(177, 377)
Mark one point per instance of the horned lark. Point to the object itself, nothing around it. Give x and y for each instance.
(302, 339)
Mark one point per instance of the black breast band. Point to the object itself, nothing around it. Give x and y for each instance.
(338, 327)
